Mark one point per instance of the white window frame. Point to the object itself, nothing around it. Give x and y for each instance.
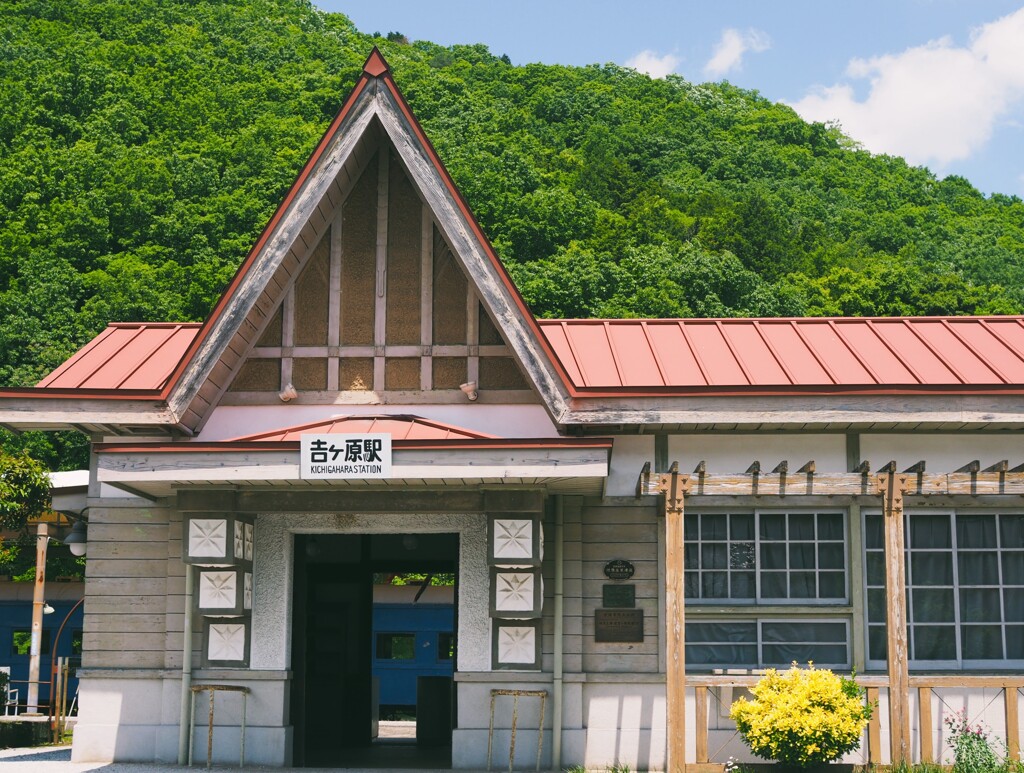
(773, 601)
(960, 663)
(759, 623)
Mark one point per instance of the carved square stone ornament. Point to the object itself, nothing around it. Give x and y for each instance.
(516, 593)
(516, 645)
(514, 539)
(226, 642)
(223, 591)
(217, 539)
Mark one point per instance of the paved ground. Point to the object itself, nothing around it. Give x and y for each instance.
(57, 759)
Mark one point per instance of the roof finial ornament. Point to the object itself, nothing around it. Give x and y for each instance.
(376, 64)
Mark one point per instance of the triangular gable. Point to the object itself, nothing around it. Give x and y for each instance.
(374, 139)
(399, 427)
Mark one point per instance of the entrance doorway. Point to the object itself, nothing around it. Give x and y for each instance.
(373, 649)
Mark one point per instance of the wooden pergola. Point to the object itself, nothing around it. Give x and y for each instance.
(968, 483)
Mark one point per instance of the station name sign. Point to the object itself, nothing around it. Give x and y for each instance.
(345, 456)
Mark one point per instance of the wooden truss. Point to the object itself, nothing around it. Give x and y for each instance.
(888, 485)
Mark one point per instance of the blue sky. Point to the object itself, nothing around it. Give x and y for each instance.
(940, 82)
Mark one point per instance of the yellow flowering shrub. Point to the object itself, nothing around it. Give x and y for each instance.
(803, 716)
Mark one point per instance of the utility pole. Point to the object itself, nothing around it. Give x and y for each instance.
(38, 601)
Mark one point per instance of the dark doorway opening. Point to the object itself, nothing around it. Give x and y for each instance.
(373, 649)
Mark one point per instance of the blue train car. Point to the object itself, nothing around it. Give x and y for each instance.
(410, 641)
(15, 633)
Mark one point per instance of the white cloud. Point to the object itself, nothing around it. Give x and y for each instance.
(932, 104)
(730, 48)
(652, 64)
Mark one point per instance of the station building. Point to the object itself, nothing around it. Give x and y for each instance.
(639, 515)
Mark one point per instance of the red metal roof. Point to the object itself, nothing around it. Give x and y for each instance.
(126, 356)
(703, 355)
(670, 355)
(399, 427)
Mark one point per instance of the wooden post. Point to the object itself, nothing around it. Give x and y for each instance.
(891, 487)
(674, 487)
(1012, 723)
(874, 730)
(924, 725)
(700, 707)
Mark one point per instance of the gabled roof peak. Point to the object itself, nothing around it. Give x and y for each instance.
(376, 64)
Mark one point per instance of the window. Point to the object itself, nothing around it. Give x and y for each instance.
(396, 646)
(766, 643)
(21, 642)
(965, 588)
(765, 557)
(445, 646)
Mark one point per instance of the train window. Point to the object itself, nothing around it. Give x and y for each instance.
(21, 642)
(396, 646)
(445, 646)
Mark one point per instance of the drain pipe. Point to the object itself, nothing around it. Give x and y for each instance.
(185, 717)
(556, 699)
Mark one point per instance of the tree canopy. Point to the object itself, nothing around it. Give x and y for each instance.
(144, 145)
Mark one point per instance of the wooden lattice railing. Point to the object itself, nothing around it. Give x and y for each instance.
(1010, 684)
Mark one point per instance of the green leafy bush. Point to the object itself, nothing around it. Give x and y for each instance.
(802, 717)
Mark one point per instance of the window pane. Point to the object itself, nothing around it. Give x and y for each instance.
(802, 585)
(21, 642)
(773, 585)
(931, 568)
(875, 568)
(714, 585)
(831, 556)
(930, 531)
(742, 526)
(1013, 567)
(773, 556)
(1015, 642)
(801, 526)
(934, 642)
(713, 556)
(977, 568)
(721, 655)
(396, 646)
(713, 527)
(721, 631)
(876, 605)
(773, 526)
(742, 585)
(691, 581)
(832, 585)
(980, 605)
(445, 646)
(741, 555)
(801, 556)
(784, 654)
(787, 630)
(877, 642)
(976, 531)
(981, 642)
(933, 605)
(873, 532)
(830, 526)
(1013, 601)
(691, 555)
(1011, 529)
(691, 527)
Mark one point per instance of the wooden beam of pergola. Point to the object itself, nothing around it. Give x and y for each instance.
(890, 486)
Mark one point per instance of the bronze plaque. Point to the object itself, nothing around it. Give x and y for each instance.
(618, 596)
(618, 625)
(618, 570)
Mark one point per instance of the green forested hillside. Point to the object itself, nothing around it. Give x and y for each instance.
(144, 145)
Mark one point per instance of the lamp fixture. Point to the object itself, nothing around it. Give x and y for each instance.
(47, 609)
(470, 390)
(78, 538)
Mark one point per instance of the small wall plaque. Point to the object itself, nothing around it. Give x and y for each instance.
(618, 570)
(618, 596)
(618, 625)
